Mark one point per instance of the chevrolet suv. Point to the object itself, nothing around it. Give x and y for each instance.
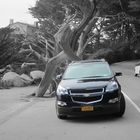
(89, 87)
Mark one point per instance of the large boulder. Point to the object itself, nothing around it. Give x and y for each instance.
(36, 75)
(11, 79)
(26, 78)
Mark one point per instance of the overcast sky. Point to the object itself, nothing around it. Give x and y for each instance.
(17, 10)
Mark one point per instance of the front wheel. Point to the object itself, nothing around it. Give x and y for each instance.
(61, 116)
(122, 107)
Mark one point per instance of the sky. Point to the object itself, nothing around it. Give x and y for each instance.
(16, 10)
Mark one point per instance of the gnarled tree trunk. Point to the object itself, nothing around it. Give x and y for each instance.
(49, 72)
(67, 39)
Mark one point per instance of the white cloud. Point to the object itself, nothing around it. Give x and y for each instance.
(17, 10)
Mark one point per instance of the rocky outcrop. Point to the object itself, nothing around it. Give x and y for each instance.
(12, 79)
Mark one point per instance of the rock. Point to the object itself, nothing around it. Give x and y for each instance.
(37, 75)
(26, 78)
(11, 79)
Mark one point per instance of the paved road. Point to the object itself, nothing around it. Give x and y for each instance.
(36, 120)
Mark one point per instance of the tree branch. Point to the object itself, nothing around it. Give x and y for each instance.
(33, 52)
(84, 35)
(83, 24)
(63, 38)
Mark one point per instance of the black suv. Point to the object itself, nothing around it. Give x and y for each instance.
(89, 88)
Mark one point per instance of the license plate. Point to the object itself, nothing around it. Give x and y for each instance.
(87, 108)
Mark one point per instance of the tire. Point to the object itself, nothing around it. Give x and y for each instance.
(122, 107)
(62, 117)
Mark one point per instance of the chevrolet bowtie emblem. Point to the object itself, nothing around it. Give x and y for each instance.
(86, 95)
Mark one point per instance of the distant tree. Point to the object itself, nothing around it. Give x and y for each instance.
(8, 47)
(121, 23)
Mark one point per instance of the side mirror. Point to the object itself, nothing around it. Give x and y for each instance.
(58, 77)
(118, 74)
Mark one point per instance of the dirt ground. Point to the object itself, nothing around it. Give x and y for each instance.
(14, 99)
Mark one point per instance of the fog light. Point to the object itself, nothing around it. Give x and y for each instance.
(113, 100)
(61, 103)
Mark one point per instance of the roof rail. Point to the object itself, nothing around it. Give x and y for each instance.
(90, 60)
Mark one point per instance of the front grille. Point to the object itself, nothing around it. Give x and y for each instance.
(86, 90)
(86, 95)
(87, 99)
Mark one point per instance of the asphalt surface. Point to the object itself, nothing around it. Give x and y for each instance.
(35, 118)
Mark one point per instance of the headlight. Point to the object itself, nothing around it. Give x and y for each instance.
(61, 103)
(61, 90)
(112, 86)
(112, 101)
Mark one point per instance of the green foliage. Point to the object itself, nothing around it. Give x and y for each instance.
(8, 47)
(121, 19)
(51, 14)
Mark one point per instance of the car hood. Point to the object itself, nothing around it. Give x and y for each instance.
(84, 83)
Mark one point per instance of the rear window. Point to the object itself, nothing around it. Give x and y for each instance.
(87, 70)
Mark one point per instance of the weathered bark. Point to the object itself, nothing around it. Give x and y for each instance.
(83, 38)
(67, 35)
(86, 18)
(85, 45)
(49, 72)
(63, 39)
(63, 36)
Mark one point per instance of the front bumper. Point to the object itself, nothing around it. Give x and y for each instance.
(98, 110)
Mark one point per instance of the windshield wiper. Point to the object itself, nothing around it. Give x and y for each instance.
(68, 78)
(93, 77)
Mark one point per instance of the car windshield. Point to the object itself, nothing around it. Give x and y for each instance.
(87, 70)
